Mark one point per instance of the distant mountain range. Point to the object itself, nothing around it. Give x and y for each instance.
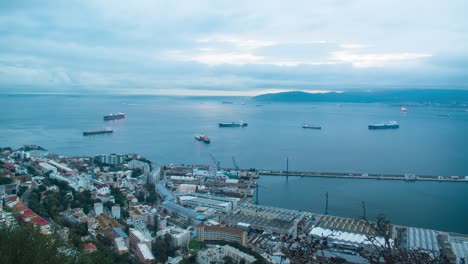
(414, 96)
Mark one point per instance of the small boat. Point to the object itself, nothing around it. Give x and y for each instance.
(311, 126)
(403, 109)
(203, 137)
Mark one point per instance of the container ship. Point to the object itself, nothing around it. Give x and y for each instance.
(120, 115)
(97, 132)
(202, 137)
(311, 126)
(233, 124)
(387, 125)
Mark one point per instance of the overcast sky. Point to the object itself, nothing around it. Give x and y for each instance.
(231, 47)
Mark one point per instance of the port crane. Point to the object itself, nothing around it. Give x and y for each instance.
(216, 162)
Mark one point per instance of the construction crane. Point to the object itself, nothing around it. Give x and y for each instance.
(216, 162)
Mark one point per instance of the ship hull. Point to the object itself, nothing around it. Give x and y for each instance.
(233, 124)
(99, 132)
(114, 116)
(375, 127)
(311, 127)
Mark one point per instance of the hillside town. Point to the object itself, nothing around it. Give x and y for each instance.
(143, 212)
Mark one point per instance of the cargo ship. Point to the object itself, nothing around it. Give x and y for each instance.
(233, 124)
(311, 126)
(387, 125)
(97, 132)
(119, 115)
(203, 137)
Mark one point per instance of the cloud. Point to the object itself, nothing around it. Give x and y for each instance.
(375, 59)
(240, 46)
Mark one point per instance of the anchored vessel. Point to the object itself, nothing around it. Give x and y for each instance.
(97, 132)
(311, 126)
(120, 115)
(203, 137)
(387, 125)
(233, 124)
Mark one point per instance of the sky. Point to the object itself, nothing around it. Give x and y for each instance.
(231, 47)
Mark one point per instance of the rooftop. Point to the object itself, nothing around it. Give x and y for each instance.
(145, 251)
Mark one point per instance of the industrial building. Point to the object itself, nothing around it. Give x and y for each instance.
(182, 212)
(163, 192)
(265, 218)
(423, 239)
(193, 201)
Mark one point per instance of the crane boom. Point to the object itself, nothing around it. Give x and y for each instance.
(216, 162)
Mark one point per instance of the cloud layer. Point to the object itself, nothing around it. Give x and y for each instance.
(241, 47)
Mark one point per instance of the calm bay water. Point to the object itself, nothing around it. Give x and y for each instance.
(431, 140)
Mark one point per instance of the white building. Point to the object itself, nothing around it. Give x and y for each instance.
(143, 253)
(45, 167)
(85, 181)
(61, 166)
(103, 189)
(216, 254)
(120, 245)
(237, 255)
(113, 159)
(98, 208)
(179, 237)
(116, 211)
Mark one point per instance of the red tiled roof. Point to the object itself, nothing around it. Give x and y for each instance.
(39, 220)
(90, 247)
(28, 212)
(12, 198)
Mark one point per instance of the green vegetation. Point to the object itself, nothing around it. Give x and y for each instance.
(136, 172)
(151, 198)
(83, 200)
(119, 197)
(5, 180)
(22, 190)
(194, 246)
(162, 249)
(26, 244)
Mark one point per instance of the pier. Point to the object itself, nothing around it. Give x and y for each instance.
(185, 170)
(376, 176)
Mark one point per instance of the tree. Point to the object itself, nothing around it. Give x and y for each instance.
(22, 190)
(26, 244)
(228, 260)
(303, 249)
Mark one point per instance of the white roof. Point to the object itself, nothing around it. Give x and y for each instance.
(232, 180)
(145, 251)
(344, 237)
